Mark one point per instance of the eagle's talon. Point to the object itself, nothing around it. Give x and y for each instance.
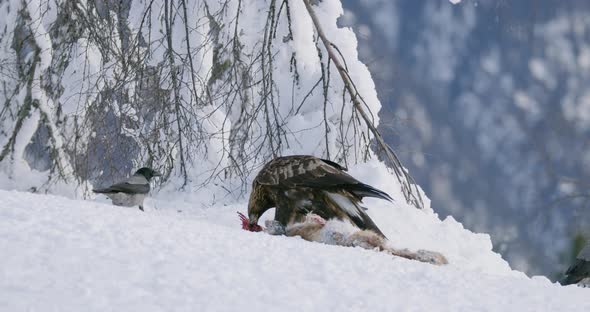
(274, 227)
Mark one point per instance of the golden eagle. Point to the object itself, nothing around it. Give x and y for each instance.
(298, 185)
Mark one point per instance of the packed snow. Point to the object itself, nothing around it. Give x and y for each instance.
(183, 255)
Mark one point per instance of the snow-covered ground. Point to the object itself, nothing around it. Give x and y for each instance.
(59, 254)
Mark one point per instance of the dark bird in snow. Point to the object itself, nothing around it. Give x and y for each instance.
(299, 185)
(579, 271)
(132, 191)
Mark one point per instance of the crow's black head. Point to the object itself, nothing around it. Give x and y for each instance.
(148, 173)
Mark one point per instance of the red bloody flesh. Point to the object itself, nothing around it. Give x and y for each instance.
(246, 224)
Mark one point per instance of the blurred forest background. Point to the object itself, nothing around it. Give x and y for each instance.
(488, 105)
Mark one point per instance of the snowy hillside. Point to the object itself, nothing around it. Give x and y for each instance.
(60, 254)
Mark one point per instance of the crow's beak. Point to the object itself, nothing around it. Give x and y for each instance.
(156, 174)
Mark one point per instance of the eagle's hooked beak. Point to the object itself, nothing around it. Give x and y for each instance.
(253, 219)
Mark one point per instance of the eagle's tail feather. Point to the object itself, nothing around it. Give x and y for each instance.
(365, 190)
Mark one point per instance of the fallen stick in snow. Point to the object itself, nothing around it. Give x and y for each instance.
(336, 232)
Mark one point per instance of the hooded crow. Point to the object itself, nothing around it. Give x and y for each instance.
(579, 271)
(132, 191)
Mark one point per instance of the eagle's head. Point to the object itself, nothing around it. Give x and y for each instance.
(258, 203)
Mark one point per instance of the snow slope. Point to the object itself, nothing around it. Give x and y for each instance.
(60, 254)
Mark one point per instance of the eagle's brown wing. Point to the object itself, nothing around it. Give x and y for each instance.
(309, 171)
